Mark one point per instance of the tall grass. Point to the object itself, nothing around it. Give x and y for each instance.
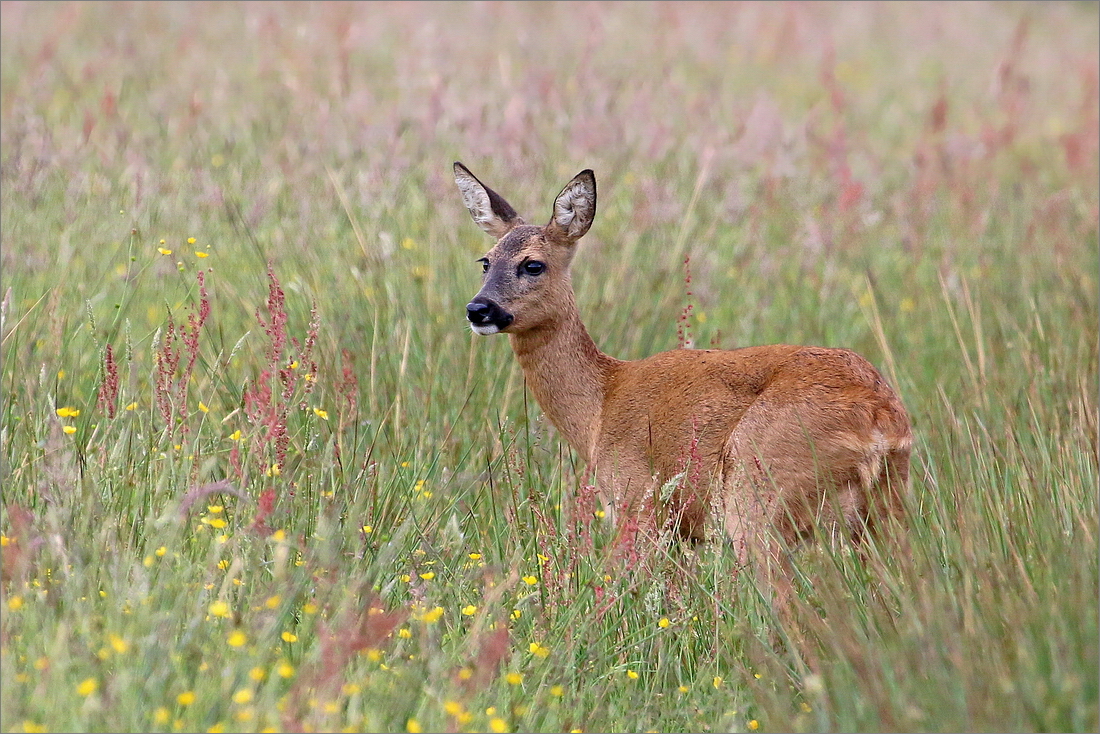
(278, 485)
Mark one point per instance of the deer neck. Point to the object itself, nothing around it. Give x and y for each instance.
(568, 375)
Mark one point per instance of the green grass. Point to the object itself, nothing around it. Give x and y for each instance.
(916, 182)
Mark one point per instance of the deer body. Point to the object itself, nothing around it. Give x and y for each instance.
(759, 439)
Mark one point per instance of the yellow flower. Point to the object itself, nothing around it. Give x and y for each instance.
(215, 522)
(663, 623)
(538, 650)
(322, 414)
(309, 608)
(15, 603)
(469, 610)
(235, 436)
(475, 556)
(404, 633)
(68, 412)
(717, 681)
(87, 687)
(557, 691)
(285, 669)
(279, 536)
(428, 576)
(69, 429)
(683, 689)
(274, 471)
(601, 514)
(516, 613)
(514, 679)
(257, 674)
(413, 726)
(530, 580)
(273, 602)
(200, 253)
(190, 240)
(237, 639)
(432, 616)
(289, 637)
(164, 251)
(120, 645)
(161, 716)
(244, 695)
(131, 406)
(498, 724)
(632, 674)
(367, 530)
(405, 578)
(186, 698)
(5, 540)
(159, 552)
(754, 725)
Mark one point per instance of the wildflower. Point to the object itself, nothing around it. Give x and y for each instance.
(465, 674)
(367, 530)
(475, 556)
(514, 679)
(309, 608)
(498, 724)
(428, 576)
(663, 623)
(237, 639)
(557, 691)
(131, 406)
(273, 602)
(279, 536)
(161, 716)
(405, 578)
(186, 698)
(164, 251)
(215, 522)
(538, 650)
(69, 429)
(632, 674)
(244, 695)
(683, 689)
(274, 471)
(200, 253)
(601, 514)
(413, 726)
(87, 687)
(530, 580)
(322, 414)
(5, 540)
(404, 633)
(257, 674)
(120, 645)
(717, 681)
(235, 436)
(284, 669)
(289, 637)
(754, 725)
(469, 610)
(67, 412)
(203, 408)
(432, 616)
(516, 614)
(159, 552)
(15, 603)
(190, 240)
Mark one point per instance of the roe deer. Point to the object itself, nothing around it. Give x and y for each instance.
(782, 438)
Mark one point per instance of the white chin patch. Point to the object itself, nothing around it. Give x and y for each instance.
(485, 329)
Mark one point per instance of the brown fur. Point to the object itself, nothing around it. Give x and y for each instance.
(774, 438)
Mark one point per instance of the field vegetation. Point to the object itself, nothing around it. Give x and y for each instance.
(258, 475)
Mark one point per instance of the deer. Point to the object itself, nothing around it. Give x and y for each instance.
(784, 441)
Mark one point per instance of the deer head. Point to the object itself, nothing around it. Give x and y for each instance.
(525, 283)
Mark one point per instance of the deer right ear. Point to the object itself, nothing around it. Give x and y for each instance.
(488, 208)
(575, 208)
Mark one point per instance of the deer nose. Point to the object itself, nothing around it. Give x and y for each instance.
(479, 312)
(485, 312)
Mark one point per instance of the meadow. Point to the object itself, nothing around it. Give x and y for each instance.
(258, 475)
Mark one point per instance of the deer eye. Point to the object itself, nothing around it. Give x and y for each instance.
(484, 264)
(534, 267)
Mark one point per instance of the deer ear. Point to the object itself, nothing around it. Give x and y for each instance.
(488, 208)
(574, 208)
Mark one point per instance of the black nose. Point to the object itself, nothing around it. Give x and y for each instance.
(483, 312)
(479, 312)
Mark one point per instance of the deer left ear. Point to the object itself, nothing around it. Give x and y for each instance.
(488, 208)
(575, 208)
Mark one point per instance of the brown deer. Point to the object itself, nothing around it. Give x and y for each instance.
(780, 439)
